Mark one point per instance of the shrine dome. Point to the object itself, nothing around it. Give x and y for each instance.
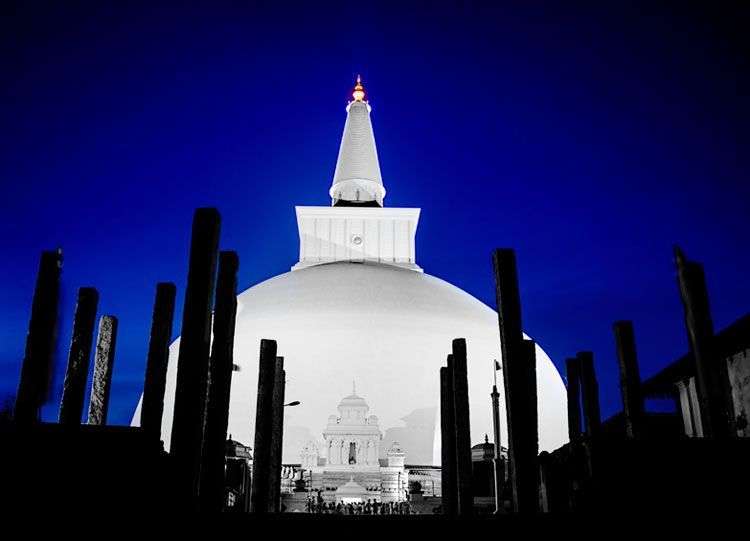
(389, 328)
(353, 401)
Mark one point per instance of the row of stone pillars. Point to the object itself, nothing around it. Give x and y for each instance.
(584, 417)
(269, 421)
(36, 370)
(712, 381)
(519, 367)
(456, 471)
(204, 369)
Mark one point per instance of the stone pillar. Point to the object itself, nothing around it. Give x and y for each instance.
(33, 384)
(74, 387)
(277, 436)
(220, 382)
(687, 416)
(192, 362)
(711, 374)
(519, 369)
(448, 440)
(630, 379)
(573, 373)
(528, 351)
(695, 408)
(590, 393)
(544, 482)
(462, 428)
(104, 362)
(263, 427)
(152, 406)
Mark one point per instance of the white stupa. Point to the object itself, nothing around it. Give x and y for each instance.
(357, 306)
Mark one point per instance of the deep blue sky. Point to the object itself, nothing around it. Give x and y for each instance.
(589, 138)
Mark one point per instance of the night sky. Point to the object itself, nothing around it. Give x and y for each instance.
(591, 139)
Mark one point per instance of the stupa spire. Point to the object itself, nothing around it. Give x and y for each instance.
(359, 90)
(356, 180)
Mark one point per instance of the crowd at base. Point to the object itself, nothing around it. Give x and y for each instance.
(358, 508)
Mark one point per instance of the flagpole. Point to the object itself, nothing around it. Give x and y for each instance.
(496, 425)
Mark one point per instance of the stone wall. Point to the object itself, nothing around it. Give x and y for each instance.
(739, 378)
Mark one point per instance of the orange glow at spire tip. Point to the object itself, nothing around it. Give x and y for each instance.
(359, 90)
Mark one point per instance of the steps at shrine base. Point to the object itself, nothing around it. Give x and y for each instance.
(331, 480)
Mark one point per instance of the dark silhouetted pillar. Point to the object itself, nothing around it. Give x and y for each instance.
(447, 440)
(711, 377)
(630, 379)
(519, 369)
(195, 342)
(589, 393)
(104, 362)
(528, 350)
(573, 373)
(74, 386)
(277, 436)
(220, 382)
(463, 434)
(33, 385)
(544, 482)
(263, 427)
(152, 408)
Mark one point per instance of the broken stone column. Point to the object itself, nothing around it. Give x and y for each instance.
(74, 386)
(573, 373)
(589, 393)
(259, 502)
(462, 424)
(447, 440)
(104, 362)
(519, 367)
(192, 364)
(277, 437)
(152, 407)
(33, 384)
(630, 379)
(220, 382)
(711, 374)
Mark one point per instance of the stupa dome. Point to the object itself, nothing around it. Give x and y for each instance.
(388, 327)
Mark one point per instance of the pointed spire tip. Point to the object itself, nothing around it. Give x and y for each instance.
(359, 90)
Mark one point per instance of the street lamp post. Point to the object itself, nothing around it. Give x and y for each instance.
(496, 425)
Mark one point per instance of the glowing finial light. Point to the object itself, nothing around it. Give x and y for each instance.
(359, 90)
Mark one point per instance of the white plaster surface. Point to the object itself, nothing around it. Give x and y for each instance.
(389, 329)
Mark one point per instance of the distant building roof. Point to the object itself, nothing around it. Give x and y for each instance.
(730, 340)
(353, 400)
(237, 449)
(485, 450)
